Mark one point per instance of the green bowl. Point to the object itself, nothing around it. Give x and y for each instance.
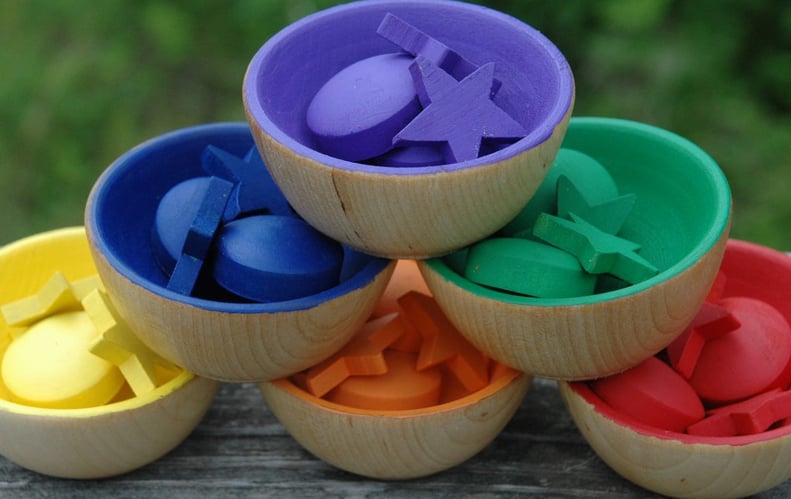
(681, 219)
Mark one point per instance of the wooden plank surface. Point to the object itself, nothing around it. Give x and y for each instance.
(240, 450)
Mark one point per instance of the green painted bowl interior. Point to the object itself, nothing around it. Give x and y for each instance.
(682, 209)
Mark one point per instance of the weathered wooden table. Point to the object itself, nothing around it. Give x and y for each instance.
(240, 450)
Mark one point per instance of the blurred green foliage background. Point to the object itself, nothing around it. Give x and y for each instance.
(83, 82)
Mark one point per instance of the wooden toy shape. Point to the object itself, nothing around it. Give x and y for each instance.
(173, 218)
(406, 277)
(362, 356)
(442, 342)
(254, 191)
(717, 288)
(528, 268)
(186, 220)
(50, 365)
(118, 345)
(410, 340)
(459, 114)
(748, 360)
(355, 115)
(597, 251)
(585, 172)
(264, 186)
(56, 296)
(419, 44)
(607, 215)
(652, 393)
(749, 417)
(275, 258)
(200, 236)
(711, 322)
(401, 387)
(411, 156)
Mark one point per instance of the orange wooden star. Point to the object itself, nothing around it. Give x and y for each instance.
(443, 343)
(362, 356)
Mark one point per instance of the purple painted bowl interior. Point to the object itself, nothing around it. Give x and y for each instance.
(122, 205)
(284, 75)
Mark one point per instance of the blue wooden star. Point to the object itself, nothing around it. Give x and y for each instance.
(458, 115)
(254, 191)
(200, 235)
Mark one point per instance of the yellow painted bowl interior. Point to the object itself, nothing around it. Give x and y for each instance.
(25, 266)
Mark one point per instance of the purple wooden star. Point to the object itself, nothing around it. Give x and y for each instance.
(457, 114)
(417, 43)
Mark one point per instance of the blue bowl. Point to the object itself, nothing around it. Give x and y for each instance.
(224, 340)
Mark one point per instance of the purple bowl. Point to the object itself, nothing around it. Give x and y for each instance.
(397, 211)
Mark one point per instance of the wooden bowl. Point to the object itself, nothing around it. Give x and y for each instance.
(98, 441)
(682, 219)
(682, 465)
(396, 444)
(407, 212)
(226, 341)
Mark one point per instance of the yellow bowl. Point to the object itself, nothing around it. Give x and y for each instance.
(407, 212)
(98, 441)
(394, 445)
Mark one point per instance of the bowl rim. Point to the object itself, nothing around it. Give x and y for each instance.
(138, 401)
(723, 200)
(598, 406)
(98, 239)
(735, 247)
(257, 115)
(165, 389)
(499, 383)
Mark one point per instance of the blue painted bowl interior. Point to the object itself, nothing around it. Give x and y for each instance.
(122, 205)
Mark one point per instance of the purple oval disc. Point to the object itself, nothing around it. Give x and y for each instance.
(355, 115)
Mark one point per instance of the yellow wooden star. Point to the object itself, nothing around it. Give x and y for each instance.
(116, 343)
(56, 296)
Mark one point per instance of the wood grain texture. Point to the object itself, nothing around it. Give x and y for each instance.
(408, 216)
(583, 341)
(396, 446)
(678, 469)
(240, 347)
(107, 444)
(240, 450)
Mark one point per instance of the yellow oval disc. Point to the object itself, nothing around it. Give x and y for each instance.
(50, 365)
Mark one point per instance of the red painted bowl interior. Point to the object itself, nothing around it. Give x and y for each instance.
(751, 271)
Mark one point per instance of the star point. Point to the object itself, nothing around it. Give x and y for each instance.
(712, 321)
(117, 344)
(458, 114)
(55, 296)
(609, 215)
(361, 356)
(597, 251)
(443, 343)
(254, 189)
